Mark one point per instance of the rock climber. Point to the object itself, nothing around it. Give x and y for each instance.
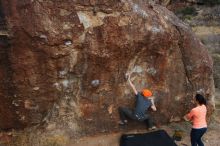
(144, 101)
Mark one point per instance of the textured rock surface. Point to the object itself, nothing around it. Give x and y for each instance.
(6, 89)
(206, 24)
(210, 36)
(67, 63)
(208, 30)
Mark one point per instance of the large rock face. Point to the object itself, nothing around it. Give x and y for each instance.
(66, 63)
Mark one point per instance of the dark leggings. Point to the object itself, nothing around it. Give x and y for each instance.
(125, 112)
(196, 135)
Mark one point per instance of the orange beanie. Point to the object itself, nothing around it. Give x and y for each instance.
(146, 92)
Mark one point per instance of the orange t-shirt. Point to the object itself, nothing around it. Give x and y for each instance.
(198, 116)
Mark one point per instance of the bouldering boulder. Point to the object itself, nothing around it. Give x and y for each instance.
(67, 62)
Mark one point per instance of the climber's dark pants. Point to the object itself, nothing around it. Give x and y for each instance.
(196, 135)
(125, 112)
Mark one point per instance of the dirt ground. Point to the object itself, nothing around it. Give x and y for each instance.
(211, 138)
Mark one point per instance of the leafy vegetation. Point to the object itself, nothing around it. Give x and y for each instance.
(211, 2)
(187, 11)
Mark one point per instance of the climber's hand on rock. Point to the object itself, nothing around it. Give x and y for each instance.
(128, 76)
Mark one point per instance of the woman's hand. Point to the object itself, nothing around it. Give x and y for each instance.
(185, 118)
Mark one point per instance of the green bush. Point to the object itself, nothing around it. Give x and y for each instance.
(187, 11)
(211, 2)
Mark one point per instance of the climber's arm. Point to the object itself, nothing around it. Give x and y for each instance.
(153, 107)
(131, 84)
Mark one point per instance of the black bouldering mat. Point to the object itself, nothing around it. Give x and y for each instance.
(155, 138)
